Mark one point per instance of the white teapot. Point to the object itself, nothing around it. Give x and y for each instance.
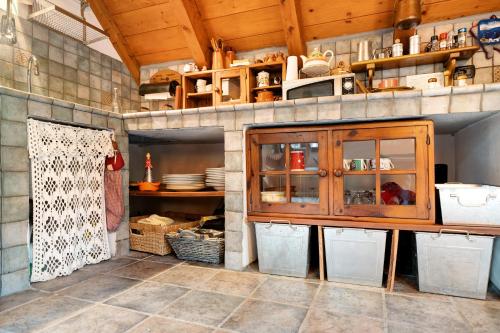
(316, 64)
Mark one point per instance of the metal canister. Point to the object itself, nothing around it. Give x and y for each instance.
(415, 44)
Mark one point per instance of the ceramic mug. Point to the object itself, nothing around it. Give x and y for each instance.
(200, 85)
(263, 79)
(386, 164)
(359, 164)
(297, 162)
(347, 164)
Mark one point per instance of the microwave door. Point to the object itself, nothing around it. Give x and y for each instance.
(315, 89)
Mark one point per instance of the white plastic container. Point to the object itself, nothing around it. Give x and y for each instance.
(470, 204)
(283, 249)
(355, 255)
(454, 264)
(495, 265)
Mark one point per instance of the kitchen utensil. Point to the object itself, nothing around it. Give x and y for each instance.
(263, 79)
(317, 64)
(292, 68)
(364, 50)
(218, 54)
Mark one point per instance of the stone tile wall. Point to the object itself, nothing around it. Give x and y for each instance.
(69, 69)
(15, 107)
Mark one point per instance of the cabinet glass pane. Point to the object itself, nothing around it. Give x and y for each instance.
(304, 156)
(358, 155)
(272, 157)
(359, 190)
(231, 89)
(272, 188)
(305, 188)
(397, 189)
(397, 154)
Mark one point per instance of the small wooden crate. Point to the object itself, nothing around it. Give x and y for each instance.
(151, 238)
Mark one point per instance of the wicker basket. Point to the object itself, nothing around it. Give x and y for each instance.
(151, 238)
(205, 250)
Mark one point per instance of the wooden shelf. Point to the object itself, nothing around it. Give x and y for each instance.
(199, 95)
(173, 194)
(200, 74)
(274, 87)
(267, 65)
(415, 59)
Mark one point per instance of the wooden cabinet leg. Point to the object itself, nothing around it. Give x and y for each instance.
(392, 261)
(321, 249)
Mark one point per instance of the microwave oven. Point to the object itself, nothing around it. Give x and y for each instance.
(334, 85)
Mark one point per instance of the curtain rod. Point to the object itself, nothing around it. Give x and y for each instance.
(68, 123)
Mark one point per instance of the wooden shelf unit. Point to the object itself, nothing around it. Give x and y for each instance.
(273, 87)
(174, 194)
(274, 69)
(447, 57)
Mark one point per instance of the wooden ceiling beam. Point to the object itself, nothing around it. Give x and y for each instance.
(190, 22)
(292, 24)
(102, 13)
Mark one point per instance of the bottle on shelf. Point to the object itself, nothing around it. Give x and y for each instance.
(148, 173)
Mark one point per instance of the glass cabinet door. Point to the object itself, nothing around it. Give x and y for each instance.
(289, 172)
(230, 87)
(376, 172)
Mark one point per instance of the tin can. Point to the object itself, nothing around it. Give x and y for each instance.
(415, 44)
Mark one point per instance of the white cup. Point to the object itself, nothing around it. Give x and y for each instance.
(347, 164)
(386, 164)
(200, 85)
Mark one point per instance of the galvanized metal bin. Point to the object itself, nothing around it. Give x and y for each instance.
(355, 255)
(283, 249)
(495, 265)
(454, 264)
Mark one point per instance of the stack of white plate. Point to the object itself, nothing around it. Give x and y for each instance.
(184, 182)
(215, 178)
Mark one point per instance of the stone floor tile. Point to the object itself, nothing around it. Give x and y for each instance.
(99, 288)
(482, 316)
(186, 276)
(109, 265)
(293, 292)
(350, 301)
(164, 325)
(99, 318)
(168, 259)
(8, 302)
(142, 270)
(260, 316)
(63, 281)
(204, 264)
(426, 313)
(39, 313)
(138, 255)
(233, 283)
(148, 297)
(203, 307)
(319, 321)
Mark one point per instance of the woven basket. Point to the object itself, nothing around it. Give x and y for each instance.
(151, 238)
(204, 250)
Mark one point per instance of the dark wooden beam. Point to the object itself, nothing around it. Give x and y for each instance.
(106, 20)
(292, 24)
(190, 22)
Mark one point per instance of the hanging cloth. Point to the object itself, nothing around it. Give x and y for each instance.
(67, 167)
(113, 189)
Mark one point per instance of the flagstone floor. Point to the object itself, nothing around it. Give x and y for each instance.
(142, 293)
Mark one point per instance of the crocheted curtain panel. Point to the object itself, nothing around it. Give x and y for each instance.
(69, 215)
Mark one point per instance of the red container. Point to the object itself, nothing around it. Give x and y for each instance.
(297, 160)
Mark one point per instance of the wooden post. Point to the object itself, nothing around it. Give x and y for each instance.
(392, 261)
(321, 249)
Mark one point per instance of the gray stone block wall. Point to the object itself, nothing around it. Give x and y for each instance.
(15, 107)
(69, 70)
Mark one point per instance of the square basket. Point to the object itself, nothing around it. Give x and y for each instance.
(210, 250)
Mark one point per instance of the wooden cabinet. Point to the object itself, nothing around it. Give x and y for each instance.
(374, 172)
(231, 86)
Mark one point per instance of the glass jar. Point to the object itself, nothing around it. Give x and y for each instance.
(434, 43)
(462, 37)
(443, 41)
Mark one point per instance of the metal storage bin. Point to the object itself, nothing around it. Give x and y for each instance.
(355, 255)
(283, 249)
(470, 204)
(452, 264)
(495, 265)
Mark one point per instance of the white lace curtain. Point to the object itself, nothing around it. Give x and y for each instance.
(69, 217)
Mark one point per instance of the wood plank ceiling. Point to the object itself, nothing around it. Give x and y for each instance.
(155, 31)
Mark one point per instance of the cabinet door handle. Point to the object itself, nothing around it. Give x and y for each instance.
(322, 173)
(338, 173)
